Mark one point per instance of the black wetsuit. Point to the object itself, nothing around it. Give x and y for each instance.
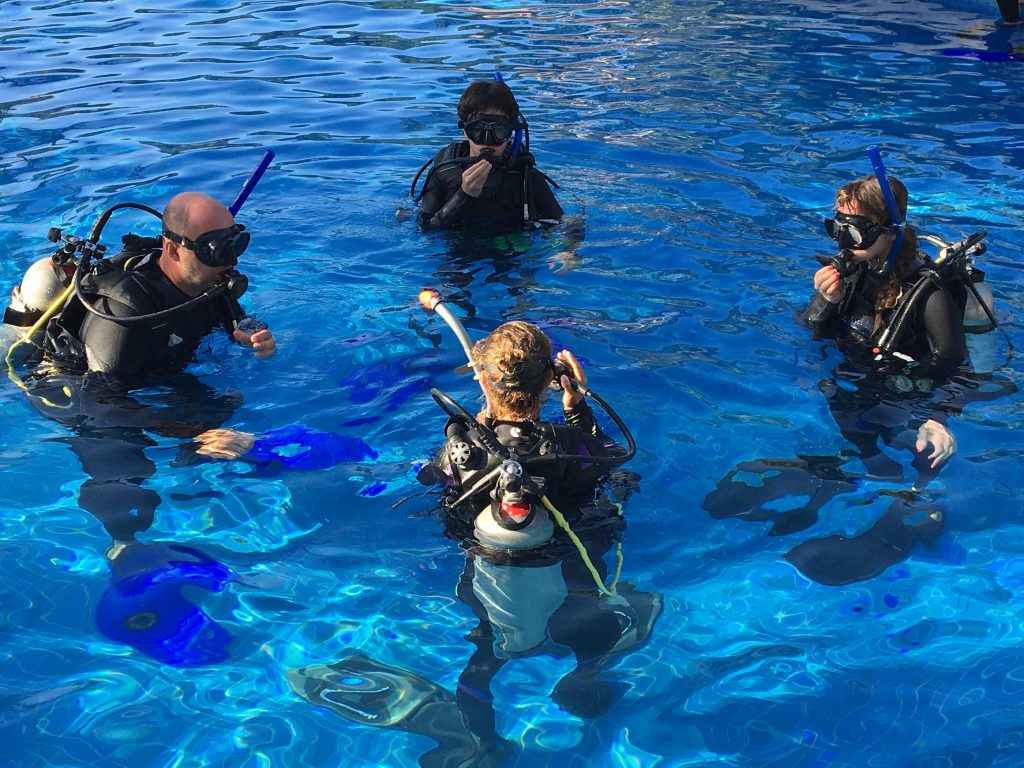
(513, 186)
(77, 340)
(934, 335)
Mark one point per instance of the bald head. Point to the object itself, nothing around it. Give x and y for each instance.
(190, 214)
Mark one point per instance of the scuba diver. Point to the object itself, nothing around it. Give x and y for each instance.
(500, 468)
(490, 179)
(137, 318)
(900, 318)
(507, 475)
(95, 330)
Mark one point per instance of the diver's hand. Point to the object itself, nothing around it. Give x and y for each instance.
(224, 443)
(939, 438)
(828, 284)
(571, 395)
(474, 178)
(262, 342)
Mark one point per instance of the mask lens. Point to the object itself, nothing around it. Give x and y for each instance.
(489, 131)
(853, 232)
(222, 247)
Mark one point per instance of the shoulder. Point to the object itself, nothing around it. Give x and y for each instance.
(127, 283)
(454, 150)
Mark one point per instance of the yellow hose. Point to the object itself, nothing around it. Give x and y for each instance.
(559, 518)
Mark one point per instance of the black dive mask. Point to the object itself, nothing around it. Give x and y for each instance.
(854, 232)
(216, 248)
(487, 130)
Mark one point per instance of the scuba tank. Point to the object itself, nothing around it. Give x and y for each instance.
(43, 282)
(511, 515)
(953, 266)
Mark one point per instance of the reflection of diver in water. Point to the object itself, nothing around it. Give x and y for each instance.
(1003, 41)
(542, 602)
(143, 606)
(510, 260)
(533, 591)
(900, 318)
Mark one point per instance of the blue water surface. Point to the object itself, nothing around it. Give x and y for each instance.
(698, 145)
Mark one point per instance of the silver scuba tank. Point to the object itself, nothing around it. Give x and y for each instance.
(42, 283)
(513, 520)
(981, 340)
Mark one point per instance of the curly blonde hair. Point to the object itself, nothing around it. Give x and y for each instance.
(514, 360)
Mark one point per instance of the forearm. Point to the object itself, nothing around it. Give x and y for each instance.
(581, 416)
(821, 314)
(450, 213)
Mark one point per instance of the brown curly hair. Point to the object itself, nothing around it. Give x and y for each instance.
(865, 196)
(501, 356)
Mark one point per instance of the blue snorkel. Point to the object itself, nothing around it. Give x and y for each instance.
(517, 137)
(251, 182)
(891, 206)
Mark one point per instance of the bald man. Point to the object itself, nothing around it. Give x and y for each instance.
(183, 291)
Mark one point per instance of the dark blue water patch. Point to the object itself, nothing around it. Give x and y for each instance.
(984, 55)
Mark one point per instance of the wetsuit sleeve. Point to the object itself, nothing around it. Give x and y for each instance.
(117, 349)
(821, 316)
(581, 416)
(942, 320)
(441, 207)
(545, 206)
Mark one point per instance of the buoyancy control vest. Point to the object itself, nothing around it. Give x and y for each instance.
(857, 309)
(468, 461)
(134, 279)
(508, 196)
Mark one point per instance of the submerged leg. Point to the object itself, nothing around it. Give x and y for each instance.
(836, 560)
(814, 478)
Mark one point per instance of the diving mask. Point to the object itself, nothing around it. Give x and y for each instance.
(216, 248)
(487, 130)
(854, 232)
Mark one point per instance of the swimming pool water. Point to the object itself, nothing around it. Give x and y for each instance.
(698, 145)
